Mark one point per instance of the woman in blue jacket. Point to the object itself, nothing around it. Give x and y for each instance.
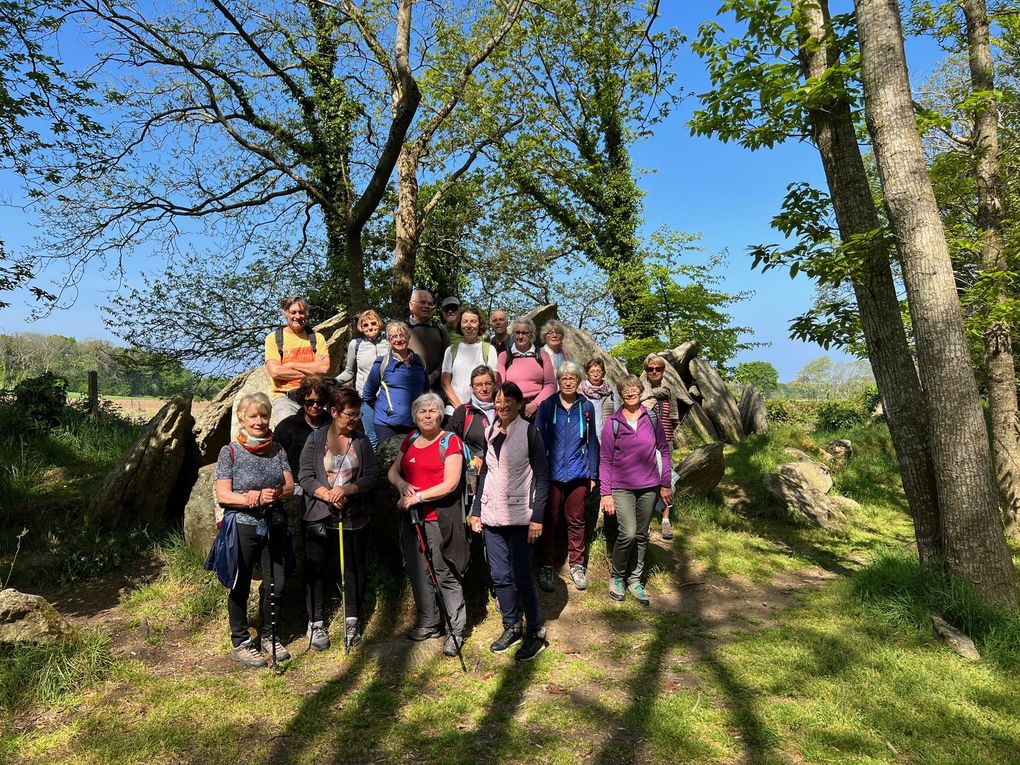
(397, 378)
(567, 425)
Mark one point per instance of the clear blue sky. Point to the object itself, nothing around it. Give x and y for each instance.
(698, 185)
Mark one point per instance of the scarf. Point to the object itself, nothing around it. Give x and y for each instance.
(588, 390)
(488, 408)
(253, 444)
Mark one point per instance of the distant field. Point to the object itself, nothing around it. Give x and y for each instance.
(141, 408)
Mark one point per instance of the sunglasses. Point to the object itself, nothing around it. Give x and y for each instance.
(655, 369)
(314, 402)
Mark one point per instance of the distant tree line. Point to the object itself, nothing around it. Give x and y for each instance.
(122, 371)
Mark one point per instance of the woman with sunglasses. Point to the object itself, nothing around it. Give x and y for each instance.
(660, 397)
(361, 354)
(338, 469)
(293, 431)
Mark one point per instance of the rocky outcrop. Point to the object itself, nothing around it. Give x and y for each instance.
(753, 415)
(701, 470)
(679, 359)
(31, 619)
(841, 451)
(803, 486)
(718, 402)
(699, 423)
(137, 490)
(202, 511)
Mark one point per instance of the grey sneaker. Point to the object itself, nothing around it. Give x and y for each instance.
(638, 591)
(318, 638)
(616, 588)
(248, 654)
(577, 576)
(666, 530)
(453, 644)
(282, 654)
(352, 631)
(546, 578)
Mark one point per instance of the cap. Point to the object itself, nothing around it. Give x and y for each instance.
(451, 301)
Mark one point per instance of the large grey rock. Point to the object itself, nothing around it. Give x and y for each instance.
(541, 315)
(797, 455)
(718, 403)
(202, 511)
(216, 424)
(698, 422)
(842, 451)
(701, 470)
(753, 415)
(137, 490)
(792, 493)
(31, 619)
(813, 475)
(959, 642)
(680, 358)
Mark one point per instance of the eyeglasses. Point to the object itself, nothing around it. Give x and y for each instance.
(655, 369)
(482, 384)
(521, 333)
(352, 415)
(451, 309)
(313, 402)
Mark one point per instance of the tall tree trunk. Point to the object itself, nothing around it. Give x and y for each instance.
(888, 350)
(408, 230)
(999, 367)
(974, 545)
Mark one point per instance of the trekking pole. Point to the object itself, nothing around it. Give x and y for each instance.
(272, 590)
(343, 580)
(419, 529)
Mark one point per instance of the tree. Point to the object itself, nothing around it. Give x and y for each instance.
(974, 545)
(591, 80)
(245, 122)
(792, 74)
(761, 374)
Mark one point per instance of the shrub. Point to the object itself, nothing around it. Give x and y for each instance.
(840, 415)
(40, 401)
(787, 411)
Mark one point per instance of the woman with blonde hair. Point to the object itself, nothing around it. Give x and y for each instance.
(253, 478)
(361, 354)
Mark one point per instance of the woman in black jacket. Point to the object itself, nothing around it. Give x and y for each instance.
(338, 469)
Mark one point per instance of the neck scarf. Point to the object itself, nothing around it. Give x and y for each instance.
(488, 408)
(588, 390)
(253, 444)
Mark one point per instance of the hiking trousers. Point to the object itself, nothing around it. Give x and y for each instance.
(421, 585)
(566, 505)
(252, 549)
(633, 514)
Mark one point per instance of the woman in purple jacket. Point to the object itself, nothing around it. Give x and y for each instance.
(634, 453)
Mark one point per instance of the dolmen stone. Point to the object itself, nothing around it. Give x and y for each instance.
(28, 618)
(719, 404)
(701, 470)
(753, 415)
(842, 451)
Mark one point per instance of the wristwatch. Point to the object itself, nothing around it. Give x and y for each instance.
(421, 499)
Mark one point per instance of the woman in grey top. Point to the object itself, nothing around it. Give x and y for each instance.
(361, 354)
(338, 470)
(253, 479)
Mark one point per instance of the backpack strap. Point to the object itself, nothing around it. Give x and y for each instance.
(382, 380)
(278, 335)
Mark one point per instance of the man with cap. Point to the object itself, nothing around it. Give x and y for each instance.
(451, 313)
(429, 339)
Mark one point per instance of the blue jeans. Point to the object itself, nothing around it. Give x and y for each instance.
(509, 554)
(368, 423)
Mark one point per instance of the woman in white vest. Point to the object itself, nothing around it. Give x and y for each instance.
(461, 358)
(509, 508)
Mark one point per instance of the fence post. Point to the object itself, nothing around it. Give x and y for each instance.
(93, 391)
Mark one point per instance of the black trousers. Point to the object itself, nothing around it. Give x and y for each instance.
(252, 549)
(322, 570)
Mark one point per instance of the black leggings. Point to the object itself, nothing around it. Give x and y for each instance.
(322, 570)
(251, 548)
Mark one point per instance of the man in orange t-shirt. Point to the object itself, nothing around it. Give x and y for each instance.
(291, 355)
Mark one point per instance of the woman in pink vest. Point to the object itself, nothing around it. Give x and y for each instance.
(523, 364)
(509, 508)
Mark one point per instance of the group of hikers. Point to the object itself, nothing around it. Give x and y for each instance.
(502, 435)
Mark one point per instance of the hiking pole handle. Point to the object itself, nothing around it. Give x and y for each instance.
(415, 515)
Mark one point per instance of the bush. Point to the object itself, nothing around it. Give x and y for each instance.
(40, 401)
(788, 411)
(840, 415)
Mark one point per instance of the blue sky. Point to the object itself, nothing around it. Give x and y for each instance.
(697, 185)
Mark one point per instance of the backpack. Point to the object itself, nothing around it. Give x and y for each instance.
(510, 356)
(651, 415)
(278, 336)
(485, 352)
(444, 444)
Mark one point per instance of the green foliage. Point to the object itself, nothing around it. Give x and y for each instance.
(86, 554)
(761, 374)
(632, 352)
(840, 415)
(31, 675)
(824, 378)
(896, 589)
(39, 401)
(785, 411)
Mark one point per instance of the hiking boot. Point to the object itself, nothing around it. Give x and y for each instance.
(318, 638)
(666, 530)
(577, 576)
(533, 645)
(638, 591)
(248, 654)
(282, 654)
(419, 634)
(546, 578)
(511, 636)
(616, 589)
(452, 644)
(352, 631)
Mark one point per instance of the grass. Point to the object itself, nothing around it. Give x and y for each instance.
(851, 672)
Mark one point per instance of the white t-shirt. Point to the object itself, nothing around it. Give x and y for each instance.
(461, 367)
